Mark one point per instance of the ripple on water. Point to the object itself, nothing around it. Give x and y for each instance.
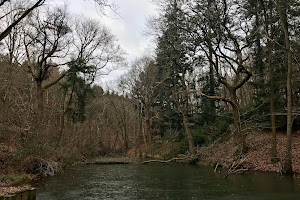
(159, 181)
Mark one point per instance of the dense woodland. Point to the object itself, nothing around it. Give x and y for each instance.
(221, 69)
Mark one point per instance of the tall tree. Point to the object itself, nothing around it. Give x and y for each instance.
(268, 14)
(45, 38)
(171, 57)
(265, 32)
(223, 32)
(140, 81)
(24, 12)
(282, 7)
(94, 49)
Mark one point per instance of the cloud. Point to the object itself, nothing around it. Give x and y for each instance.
(128, 25)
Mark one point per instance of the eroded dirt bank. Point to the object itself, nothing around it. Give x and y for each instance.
(258, 157)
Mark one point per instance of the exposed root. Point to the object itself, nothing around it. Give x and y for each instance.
(46, 168)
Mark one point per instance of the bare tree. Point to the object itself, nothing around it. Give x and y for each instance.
(94, 49)
(20, 14)
(97, 46)
(140, 82)
(45, 41)
(13, 41)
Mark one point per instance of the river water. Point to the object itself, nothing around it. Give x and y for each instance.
(164, 181)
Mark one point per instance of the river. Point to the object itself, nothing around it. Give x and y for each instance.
(164, 181)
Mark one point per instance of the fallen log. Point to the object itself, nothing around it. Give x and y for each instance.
(164, 161)
(111, 161)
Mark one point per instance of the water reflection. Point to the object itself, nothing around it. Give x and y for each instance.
(160, 181)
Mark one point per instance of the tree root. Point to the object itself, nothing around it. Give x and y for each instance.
(46, 168)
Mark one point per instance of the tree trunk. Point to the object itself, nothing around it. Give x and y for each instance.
(239, 136)
(189, 134)
(287, 168)
(125, 134)
(148, 128)
(212, 83)
(271, 83)
(40, 99)
(269, 32)
(272, 106)
(184, 112)
(62, 122)
(125, 137)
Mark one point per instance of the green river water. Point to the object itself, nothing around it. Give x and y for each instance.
(164, 181)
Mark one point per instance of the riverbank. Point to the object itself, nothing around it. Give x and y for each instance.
(20, 165)
(258, 158)
(18, 172)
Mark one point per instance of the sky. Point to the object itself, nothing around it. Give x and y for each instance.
(128, 25)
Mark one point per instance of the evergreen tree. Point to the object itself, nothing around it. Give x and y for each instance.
(77, 87)
(173, 69)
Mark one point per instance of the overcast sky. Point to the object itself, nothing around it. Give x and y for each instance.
(128, 26)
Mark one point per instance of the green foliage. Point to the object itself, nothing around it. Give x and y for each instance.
(201, 136)
(206, 133)
(172, 65)
(183, 146)
(77, 86)
(13, 179)
(209, 127)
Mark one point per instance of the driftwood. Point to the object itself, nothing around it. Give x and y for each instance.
(111, 161)
(108, 163)
(164, 161)
(217, 165)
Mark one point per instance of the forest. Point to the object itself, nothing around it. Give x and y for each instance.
(222, 87)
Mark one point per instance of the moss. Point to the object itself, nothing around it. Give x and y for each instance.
(13, 179)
